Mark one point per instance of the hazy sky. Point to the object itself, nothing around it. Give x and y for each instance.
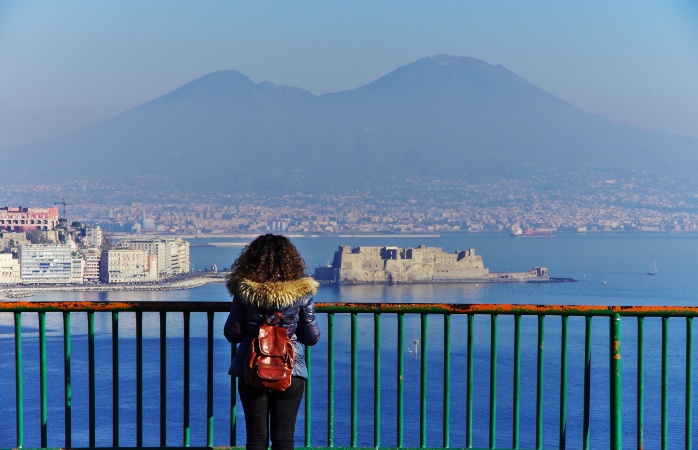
(66, 64)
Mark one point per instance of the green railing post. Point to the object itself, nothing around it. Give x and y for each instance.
(91, 375)
(469, 386)
(615, 380)
(423, 385)
(562, 443)
(233, 401)
(67, 382)
(330, 379)
(42, 379)
(209, 381)
(689, 383)
(19, 396)
(186, 319)
(587, 382)
(400, 380)
(139, 378)
(354, 380)
(115, 377)
(516, 403)
(163, 378)
(665, 383)
(493, 381)
(308, 397)
(640, 382)
(539, 383)
(377, 380)
(446, 442)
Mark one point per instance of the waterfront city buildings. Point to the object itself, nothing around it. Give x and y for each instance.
(172, 254)
(574, 202)
(82, 256)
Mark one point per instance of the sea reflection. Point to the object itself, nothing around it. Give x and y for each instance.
(406, 293)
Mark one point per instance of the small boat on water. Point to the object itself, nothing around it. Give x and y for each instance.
(653, 267)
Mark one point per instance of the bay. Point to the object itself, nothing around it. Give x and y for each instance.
(611, 269)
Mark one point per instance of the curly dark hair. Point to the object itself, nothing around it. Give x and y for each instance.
(270, 257)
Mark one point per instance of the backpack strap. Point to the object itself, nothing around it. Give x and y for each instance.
(276, 318)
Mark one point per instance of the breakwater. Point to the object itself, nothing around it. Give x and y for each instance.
(189, 282)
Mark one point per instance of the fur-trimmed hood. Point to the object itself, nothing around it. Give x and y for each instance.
(274, 294)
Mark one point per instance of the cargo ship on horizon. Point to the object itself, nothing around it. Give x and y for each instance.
(538, 233)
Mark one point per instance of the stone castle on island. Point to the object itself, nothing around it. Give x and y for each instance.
(394, 265)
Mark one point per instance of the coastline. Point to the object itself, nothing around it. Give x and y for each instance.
(19, 290)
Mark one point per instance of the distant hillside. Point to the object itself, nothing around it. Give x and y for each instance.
(442, 116)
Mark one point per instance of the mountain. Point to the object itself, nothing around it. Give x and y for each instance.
(441, 116)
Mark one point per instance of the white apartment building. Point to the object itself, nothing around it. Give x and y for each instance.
(46, 264)
(91, 258)
(172, 253)
(9, 269)
(77, 269)
(93, 236)
(127, 266)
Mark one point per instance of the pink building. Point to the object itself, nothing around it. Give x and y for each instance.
(16, 218)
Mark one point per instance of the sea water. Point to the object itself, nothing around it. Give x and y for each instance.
(611, 269)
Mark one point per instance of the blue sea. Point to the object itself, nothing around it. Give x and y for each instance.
(611, 269)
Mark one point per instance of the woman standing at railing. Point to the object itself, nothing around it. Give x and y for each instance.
(269, 277)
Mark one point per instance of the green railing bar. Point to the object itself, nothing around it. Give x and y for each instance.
(562, 443)
(377, 380)
(354, 380)
(115, 377)
(425, 308)
(615, 382)
(400, 379)
(640, 382)
(19, 397)
(209, 382)
(139, 378)
(67, 382)
(516, 405)
(423, 385)
(308, 397)
(587, 382)
(511, 309)
(42, 379)
(689, 383)
(330, 380)
(665, 383)
(469, 386)
(539, 383)
(446, 442)
(493, 381)
(91, 372)
(163, 378)
(186, 324)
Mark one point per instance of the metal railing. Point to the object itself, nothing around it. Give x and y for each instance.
(469, 405)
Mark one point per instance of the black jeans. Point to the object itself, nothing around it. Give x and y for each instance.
(275, 410)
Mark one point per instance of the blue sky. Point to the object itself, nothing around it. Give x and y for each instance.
(66, 64)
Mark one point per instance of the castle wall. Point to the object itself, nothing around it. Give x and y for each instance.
(369, 264)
